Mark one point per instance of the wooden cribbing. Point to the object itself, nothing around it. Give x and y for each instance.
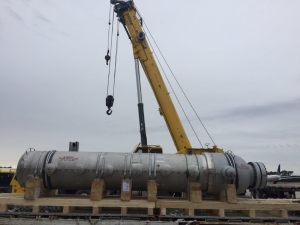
(281, 208)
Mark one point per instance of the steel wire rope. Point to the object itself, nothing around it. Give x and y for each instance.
(171, 86)
(108, 45)
(176, 97)
(116, 57)
(108, 30)
(178, 83)
(110, 40)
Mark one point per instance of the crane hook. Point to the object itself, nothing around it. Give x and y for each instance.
(109, 112)
(109, 103)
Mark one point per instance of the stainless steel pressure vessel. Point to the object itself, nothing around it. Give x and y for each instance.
(77, 170)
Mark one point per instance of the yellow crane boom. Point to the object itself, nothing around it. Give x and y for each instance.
(127, 15)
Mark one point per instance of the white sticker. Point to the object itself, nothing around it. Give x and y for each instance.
(125, 186)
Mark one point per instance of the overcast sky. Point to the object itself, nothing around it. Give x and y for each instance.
(239, 62)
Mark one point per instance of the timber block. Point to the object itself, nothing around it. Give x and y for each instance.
(97, 189)
(163, 211)
(195, 192)
(150, 211)
(151, 190)
(284, 213)
(123, 211)
(66, 209)
(126, 189)
(35, 209)
(3, 208)
(189, 212)
(221, 212)
(33, 188)
(95, 210)
(280, 213)
(252, 213)
(231, 193)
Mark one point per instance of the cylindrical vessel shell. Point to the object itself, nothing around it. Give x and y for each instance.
(172, 172)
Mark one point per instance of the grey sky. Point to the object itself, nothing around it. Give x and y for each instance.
(239, 62)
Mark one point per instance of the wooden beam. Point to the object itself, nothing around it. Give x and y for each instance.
(221, 212)
(163, 211)
(95, 210)
(3, 207)
(123, 211)
(66, 209)
(151, 190)
(36, 209)
(150, 212)
(189, 212)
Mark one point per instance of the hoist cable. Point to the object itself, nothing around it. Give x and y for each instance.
(116, 57)
(109, 50)
(186, 97)
(112, 31)
(110, 97)
(109, 23)
(171, 86)
(178, 83)
(107, 57)
(176, 97)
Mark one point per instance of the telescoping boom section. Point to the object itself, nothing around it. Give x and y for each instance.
(127, 14)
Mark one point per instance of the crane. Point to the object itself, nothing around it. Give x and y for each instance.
(127, 15)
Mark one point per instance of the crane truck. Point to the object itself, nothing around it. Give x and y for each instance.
(192, 172)
(128, 17)
(209, 166)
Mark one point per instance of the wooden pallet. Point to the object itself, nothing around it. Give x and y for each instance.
(281, 208)
(245, 207)
(71, 204)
